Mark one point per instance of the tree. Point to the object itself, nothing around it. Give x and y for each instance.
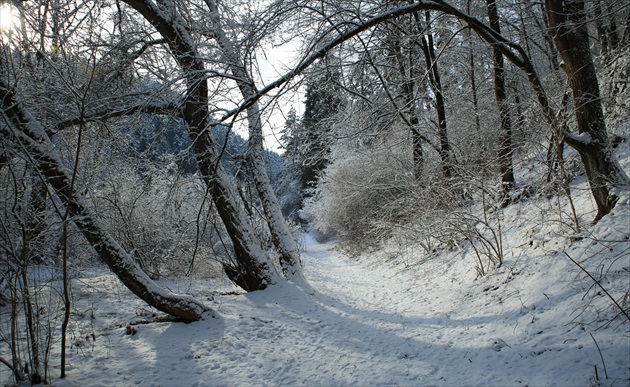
(280, 234)
(323, 101)
(435, 83)
(254, 270)
(290, 186)
(500, 92)
(603, 171)
(605, 175)
(26, 132)
(201, 56)
(402, 76)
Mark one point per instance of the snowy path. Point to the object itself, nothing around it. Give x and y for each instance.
(356, 326)
(353, 330)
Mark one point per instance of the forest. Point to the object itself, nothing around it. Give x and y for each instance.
(293, 192)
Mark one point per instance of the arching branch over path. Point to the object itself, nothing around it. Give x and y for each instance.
(603, 171)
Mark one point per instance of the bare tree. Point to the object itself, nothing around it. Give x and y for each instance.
(568, 24)
(500, 92)
(27, 133)
(603, 171)
(28, 128)
(435, 81)
(281, 236)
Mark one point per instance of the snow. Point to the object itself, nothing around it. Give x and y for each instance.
(392, 317)
(378, 320)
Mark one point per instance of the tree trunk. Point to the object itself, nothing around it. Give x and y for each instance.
(568, 24)
(254, 269)
(505, 135)
(471, 73)
(436, 86)
(599, 28)
(404, 62)
(418, 154)
(611, 29)
(30, 134)
(280, 234)
(552, 52)
(36, 221)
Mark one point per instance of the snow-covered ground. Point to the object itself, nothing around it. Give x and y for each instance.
(534, 321)
(394, 317)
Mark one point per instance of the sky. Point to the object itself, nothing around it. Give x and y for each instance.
(273, 62)
(9, 17)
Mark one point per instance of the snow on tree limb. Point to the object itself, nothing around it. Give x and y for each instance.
(255, 270)
(32, 137)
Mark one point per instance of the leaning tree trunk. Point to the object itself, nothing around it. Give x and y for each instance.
(254, 269)
(505, 133)
(568, 24)
(26, 131)
(280, 234)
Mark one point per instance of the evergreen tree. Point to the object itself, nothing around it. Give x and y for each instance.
(289, 188)
(323, 102)
(289, 138)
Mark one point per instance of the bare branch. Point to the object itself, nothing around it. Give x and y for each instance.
(31, 135)
(106, 114)
(512, 51)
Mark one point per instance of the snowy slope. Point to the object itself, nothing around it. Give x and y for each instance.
(394, 317)
(527, 323)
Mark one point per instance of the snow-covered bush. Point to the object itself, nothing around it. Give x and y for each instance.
(356, 197)
(156, 216)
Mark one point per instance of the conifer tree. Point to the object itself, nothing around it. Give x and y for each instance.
(323, 102)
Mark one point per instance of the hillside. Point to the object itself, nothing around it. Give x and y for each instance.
(393, 317)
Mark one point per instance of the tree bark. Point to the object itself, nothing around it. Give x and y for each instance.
(436, 86)
(404, 62)
(30, 135)
(505, 134)
(553, 52)
(254, 269)
(611, 29)
(472, 75)
(280, 234)
(36, 221)
(599, 28)
(568, 25)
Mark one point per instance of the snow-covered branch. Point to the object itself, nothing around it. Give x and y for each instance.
(32, 137)
(514, 52)
(106, 114)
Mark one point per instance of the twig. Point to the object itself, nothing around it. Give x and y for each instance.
(600, 285)
(600, 355)
(596, 374)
